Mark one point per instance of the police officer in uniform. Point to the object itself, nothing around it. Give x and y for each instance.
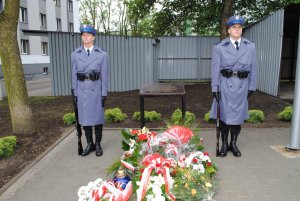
(90, 71)
(233, 73)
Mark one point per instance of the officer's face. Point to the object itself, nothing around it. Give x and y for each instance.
(87, 38)
(235, 31)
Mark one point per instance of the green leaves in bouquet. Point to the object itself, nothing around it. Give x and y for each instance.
(196, 140)
(189, 186)
(114, 167)
(127, 136)
(210, 170)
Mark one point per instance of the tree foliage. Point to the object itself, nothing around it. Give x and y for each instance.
(106, 16)
(202, 16)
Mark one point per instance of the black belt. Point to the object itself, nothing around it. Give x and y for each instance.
(229, 73)
(92, 76)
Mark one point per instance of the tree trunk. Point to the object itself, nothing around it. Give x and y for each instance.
(20, 111)
(227, 6)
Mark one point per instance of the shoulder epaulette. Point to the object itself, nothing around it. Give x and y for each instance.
(226, 43)
(77, 50)
(97, 49)
(247, 41)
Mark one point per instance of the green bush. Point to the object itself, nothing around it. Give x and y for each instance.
(114, 115)
(256, 116)
(286, 114)
(69, 118)
(176, 118)
(7, 146)
(149, 116)
(207, 118)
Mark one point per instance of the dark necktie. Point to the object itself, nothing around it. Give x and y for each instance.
(88, 51)
(236, 45)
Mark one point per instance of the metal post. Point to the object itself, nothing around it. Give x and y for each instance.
(295, 131)
(142, 111)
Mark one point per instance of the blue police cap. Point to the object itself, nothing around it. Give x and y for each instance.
(86, 28)
(235, 20)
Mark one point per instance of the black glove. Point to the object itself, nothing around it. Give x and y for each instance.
(249, 93)
(73, 94)
(103, 99)
(217, 96)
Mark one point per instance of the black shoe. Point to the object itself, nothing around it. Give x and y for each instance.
(89, 148)
(89, 138)
(98, 137)
(235, 150)
(224, 135)
(99, 151)
(224, 149)
(233, 147)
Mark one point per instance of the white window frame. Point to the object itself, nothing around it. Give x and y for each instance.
(71, 27)
(57, 3)
(58, 24)
(70, 5)
(23, 15)
(24, 46)
(43, 20)
(44, 48)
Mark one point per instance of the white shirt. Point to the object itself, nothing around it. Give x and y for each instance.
(91, 48)
(233, 42)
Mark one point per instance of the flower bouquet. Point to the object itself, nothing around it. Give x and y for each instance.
(165, 166)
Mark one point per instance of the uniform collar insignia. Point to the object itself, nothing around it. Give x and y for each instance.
(78, 50)
(226, 42)
(246, 41)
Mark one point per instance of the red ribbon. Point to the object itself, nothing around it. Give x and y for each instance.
(161, 165)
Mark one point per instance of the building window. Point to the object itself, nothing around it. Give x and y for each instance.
(43, 20)
(1, 6)
(24, 46)
(58, 24)
(23, 15)
(45, 71)
(71, 27)
(44, 48)
(70, 5)
(57, 2)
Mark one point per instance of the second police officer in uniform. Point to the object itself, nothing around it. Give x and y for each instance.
(233, 72)
(90, 71)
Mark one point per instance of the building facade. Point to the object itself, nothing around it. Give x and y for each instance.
(36, 19)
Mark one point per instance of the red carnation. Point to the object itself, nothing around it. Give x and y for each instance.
(208, 164)
(134, 132)
(143, 137)
(206, 154)
(195, 160)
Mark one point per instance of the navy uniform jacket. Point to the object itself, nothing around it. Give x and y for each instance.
(88, 92)
(234, 102)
